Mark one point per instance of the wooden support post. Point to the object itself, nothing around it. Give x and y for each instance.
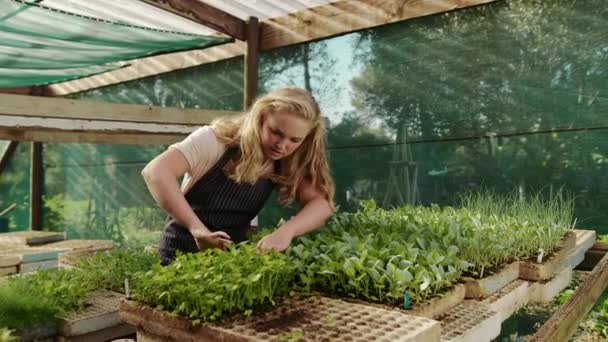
(7, 154)
(250, 78)
(251, 62)
(564, 322)
(36, 187)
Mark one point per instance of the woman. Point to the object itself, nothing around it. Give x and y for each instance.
(231, 168)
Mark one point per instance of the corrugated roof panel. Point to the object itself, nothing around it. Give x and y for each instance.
(139, 13)
(133, 12)
(263, 9)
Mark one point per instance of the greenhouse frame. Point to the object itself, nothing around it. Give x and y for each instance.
(467, 140)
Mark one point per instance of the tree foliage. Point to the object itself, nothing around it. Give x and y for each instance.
(514, 67)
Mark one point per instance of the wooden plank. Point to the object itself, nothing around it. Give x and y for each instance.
(20, 91)
(251, 62)
(33, 90)
(584, 241)
(8, 152)
(25, 122)
(38, 265)
(52, 136)
(78, 244)
(9, 260)
(600, 246)
(90, 131)
(43, 107)
(204, 14)
(27, 118)
(332, 19)
(564, 322)
(28, 254)
(4, 271)
(17, 240)
(36, 186)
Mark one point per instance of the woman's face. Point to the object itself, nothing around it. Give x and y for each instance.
(283, 133)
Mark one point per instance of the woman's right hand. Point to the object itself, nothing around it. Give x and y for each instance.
(205, 239)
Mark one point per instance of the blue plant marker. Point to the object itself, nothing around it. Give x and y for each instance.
(406, 300)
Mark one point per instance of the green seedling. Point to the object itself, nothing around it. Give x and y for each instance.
(329, 321)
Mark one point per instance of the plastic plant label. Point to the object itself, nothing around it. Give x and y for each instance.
(406, 300)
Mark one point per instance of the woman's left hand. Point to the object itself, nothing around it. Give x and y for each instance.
(279, 240)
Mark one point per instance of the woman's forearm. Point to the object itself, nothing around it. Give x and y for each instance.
(165, 190)
(312, 215)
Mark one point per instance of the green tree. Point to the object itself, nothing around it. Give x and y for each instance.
(359, 173)
(309, 66)
(514, 66)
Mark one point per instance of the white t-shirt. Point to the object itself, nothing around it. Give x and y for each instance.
(202, 150)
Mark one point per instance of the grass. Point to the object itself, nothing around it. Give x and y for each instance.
(546, 216)
(554, 209)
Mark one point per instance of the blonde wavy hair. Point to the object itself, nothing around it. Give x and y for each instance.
(307, 162)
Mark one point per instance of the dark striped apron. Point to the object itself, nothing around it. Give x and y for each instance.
(221, 204)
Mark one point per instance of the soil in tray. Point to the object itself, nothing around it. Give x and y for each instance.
(290, 320)
(296, 319)
(323, 319)
(283, 321)
(396, 305)
(489, 271)
(546, 257)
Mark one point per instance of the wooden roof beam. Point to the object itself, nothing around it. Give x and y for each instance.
(204, 14)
